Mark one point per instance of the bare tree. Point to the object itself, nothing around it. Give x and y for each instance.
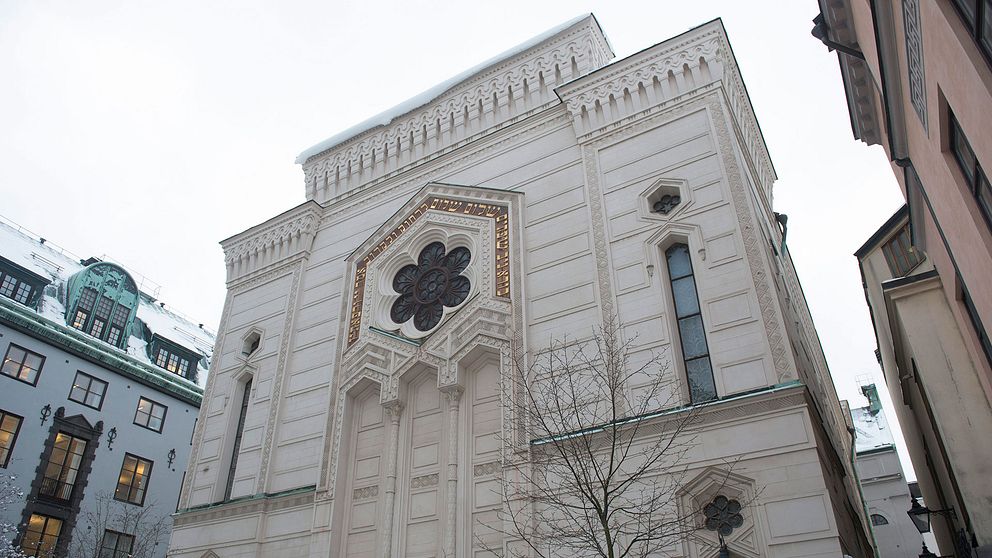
(141, 526)
(595, 466)
(10, 495)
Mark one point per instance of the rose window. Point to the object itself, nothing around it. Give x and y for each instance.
(723, 515)
(426, 287)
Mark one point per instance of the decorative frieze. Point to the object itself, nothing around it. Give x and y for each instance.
(506, 91)
(288, 235)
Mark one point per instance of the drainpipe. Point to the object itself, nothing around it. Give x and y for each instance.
(820, 30)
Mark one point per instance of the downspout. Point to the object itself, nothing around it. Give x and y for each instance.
(861, 494)
(820, 31)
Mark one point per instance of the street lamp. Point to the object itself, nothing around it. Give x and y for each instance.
(926, 552)
(920, 515)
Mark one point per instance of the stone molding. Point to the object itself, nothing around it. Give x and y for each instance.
(266, 504)
(486, 98)
(613, 96)
(273, 242)
(275, 400)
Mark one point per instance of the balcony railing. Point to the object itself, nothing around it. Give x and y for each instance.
(54, 488)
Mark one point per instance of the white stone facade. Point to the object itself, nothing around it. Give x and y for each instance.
(363, 437)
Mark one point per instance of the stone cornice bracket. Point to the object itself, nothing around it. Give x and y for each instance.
(271, 243)
(511, 88)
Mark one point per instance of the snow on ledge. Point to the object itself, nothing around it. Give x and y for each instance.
(386, 117)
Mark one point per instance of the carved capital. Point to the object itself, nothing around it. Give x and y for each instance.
(452, 393)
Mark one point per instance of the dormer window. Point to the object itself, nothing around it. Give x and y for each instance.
(172, 362)
(175, 359)
(18, 284)
(17, 290)
(102, 302)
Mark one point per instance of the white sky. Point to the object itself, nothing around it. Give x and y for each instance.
(149, 131)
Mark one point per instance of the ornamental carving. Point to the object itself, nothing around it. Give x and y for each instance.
(430, 285)
(498, 213)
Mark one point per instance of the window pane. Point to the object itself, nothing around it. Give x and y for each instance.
(985, 32)
(23, 292)
(80, 320)
(87, 298)
(967, 8)
(693, 337)
(9, 424)
(678, 261)
(963, 152)
(77, 394)
(7, 286)
(983, 191)
(12, 362)
(684, 291)
(701, 387)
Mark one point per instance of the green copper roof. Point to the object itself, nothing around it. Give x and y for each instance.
(23, 318)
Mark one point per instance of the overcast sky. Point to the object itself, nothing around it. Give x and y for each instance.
(148, 131)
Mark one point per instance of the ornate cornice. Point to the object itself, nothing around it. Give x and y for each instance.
(611, 97)
(272, 242)
(501, 94)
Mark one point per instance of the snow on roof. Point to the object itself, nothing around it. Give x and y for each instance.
(57, 265)
(386, 117)
(872, 430)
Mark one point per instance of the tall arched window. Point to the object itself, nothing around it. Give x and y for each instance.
(238, 433)
(695, 351)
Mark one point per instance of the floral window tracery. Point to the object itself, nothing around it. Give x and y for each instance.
(426, 287)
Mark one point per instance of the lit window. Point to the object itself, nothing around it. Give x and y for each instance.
(41, 535)
(102, 315)
(88, 390)
(133, 481)
(63, 466)
(9, 426)
(83, 308)
(172, 362)
(150, 414)
(22, 364)
(977, 180)
(116, 545)
(695, 352)
(900, 254)
(117, 324)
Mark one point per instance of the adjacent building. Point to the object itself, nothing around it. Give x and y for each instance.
(883, 483)
(918, 78)
(99, 394)
(353, 406)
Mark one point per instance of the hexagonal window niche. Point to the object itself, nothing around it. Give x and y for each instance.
(664, 198)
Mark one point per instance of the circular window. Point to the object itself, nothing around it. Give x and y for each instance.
(426, 287)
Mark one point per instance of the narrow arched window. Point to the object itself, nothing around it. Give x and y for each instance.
(238, 433)
(695, 351)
